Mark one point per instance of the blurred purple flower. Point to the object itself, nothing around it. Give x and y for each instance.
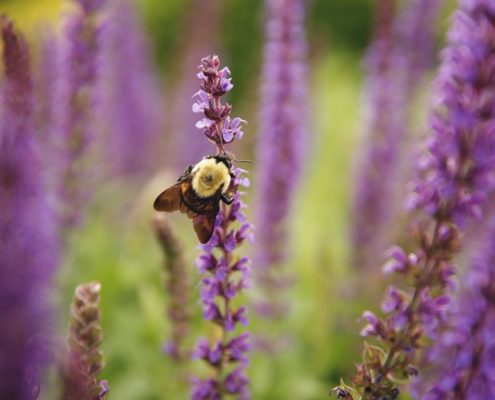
(85, 359)
(396, 64)
(225, 273)
(75, 99)
(46, 71)
(28, 240)
(177, 289)
(90, 6)
(458, 169)
(130, 105)
(455, 177)
(461, 363)
(415, 41)
(46, 75)
(281, 144)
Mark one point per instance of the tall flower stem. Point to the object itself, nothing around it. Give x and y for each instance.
(396, 64)
(459, 366)
(177, 287)
(28, 237)
(455, 177)
(281, 147)
(76, 106)
(130, 106)
(85, 359)
(225, 273)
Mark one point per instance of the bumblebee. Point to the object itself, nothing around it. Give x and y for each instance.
(198, 193)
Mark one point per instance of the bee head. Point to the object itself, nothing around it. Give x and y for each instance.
(209, 175)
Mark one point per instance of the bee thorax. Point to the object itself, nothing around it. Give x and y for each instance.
(208, 179)
(209, 176)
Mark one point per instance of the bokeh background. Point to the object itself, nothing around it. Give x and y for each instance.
(116, 246)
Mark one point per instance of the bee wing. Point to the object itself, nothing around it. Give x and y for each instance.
(169, 200)
(204, 225)
(172, 199)
(177, 198)
(184, 209)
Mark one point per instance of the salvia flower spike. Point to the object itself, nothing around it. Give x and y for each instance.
(225, 274)
(456, 175)
(216, 122)
(129, 102)
(460, 364)
(281, 147)
(177, 287)
(396, 65)
(85, 359)
(28, 237)
(76, 106)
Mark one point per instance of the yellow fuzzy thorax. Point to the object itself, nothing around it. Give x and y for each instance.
(208, 176)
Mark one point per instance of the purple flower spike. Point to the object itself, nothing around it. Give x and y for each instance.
(396, 65)
(85, 360)
(46, 76)
(76, 107)
(281, 147)
(225, 274)
(455, 177)
(28, 236)
(131, 105)
(465, 66)
(177, 287)
(461, 363)
(216, 124)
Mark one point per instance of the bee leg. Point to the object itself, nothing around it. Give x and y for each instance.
(226, 200)
(187, 171)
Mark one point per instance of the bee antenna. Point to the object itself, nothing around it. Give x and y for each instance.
(231, 157)
(243, 161)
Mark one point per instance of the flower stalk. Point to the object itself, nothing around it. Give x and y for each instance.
(281, 148)
(76, 106)
(455, 177)
(225, 274)
(85, 359)
(28, 234)
(216, 124)
(396, 65)
(459, 366)
(177, 287)
(130, 106)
